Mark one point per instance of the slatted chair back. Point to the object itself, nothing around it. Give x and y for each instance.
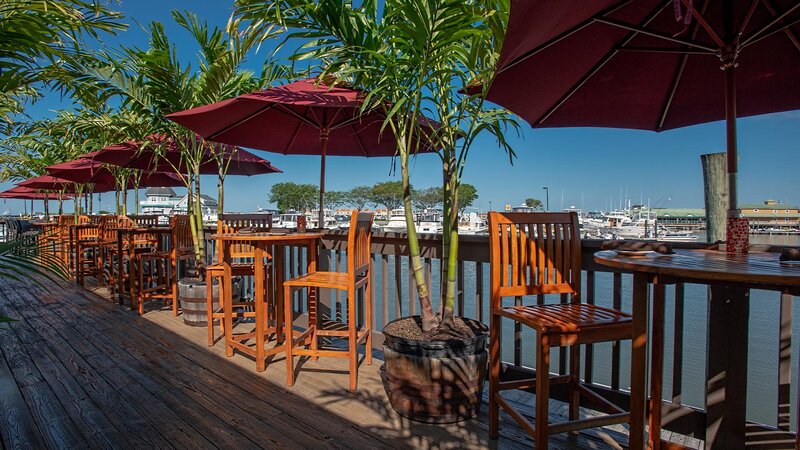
(107, 228)
(144, 220)
(94, 219)
(232, 223)
(87, 232)
(182, 242)
(359, 241)
(534, 254)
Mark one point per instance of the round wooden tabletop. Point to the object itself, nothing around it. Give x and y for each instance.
(267, 236)
(709, 266)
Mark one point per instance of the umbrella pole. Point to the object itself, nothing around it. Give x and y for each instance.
(730, 126)
(324, 138)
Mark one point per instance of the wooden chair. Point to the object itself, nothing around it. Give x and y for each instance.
(139, 243)
(537, 254)
(87, 247)
(107, 245)
(357, 277)
(242, 257)
(156, 273)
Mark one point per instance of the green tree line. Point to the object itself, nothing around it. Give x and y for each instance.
(387, 194)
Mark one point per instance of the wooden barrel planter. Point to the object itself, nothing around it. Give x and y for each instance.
(192, 299)
(435, 381)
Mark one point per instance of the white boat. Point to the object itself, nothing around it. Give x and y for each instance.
(286, 220)
(312, 219)
(426, 222)
(472, 223)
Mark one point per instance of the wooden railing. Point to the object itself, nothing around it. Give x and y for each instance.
(605, 369)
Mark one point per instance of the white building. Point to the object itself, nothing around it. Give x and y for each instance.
(208, 205)
(159, 201)
(163, 201)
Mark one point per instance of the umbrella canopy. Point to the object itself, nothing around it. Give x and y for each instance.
(300, 118)
(135, 155)
(631, 64)
(84, 170)
(20, 192)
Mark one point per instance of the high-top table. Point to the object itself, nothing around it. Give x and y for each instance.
(260, 243)
(730, 278)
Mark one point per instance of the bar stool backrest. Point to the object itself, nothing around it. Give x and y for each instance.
(232, 223)
(359, 241)
(182, 242)
(534, 254)
(144, 220)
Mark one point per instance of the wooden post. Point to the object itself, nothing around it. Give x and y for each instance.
(715, 188)
(726, 366)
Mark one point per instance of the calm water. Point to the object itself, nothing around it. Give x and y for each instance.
(763, 350)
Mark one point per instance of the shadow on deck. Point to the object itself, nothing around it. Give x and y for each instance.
(79, 371)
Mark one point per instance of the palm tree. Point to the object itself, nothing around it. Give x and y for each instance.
(37, 37)
(154, 82)
(412, 57)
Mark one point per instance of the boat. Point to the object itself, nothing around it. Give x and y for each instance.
(472, 223)
(428, 222)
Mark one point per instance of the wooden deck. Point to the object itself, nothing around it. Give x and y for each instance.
(78, 371)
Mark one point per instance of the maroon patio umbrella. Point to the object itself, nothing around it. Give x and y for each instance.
(87, 171)
(24, 193)
(135, 155)
(299, 118)
(51, 183)
(650, 64)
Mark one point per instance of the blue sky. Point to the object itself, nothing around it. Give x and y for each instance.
(586, 167)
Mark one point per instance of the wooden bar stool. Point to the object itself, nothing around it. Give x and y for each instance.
(242, 257)
(156, 272)
(537, 254)
(131, 245)
(357, 277)
(86, 249)
(107, 244)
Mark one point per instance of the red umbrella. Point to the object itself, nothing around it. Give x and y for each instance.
(631, 64)
(50, 183)
(134, 155)
(90, 171)
(20, 192)
(299, 118)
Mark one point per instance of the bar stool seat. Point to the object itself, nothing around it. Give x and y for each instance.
(333, 280)
(571, 318)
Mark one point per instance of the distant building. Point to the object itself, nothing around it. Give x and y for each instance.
(159, 201)
(765, 216)
(684, 218)
(208, 205)
(771, 214)
(163, 201)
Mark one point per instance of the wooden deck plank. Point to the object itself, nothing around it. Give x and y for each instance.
(17, 427)
(151, 382)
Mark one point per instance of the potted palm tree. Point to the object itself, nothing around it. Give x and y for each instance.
(414, 57)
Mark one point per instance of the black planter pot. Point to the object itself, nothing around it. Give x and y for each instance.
(436, 381)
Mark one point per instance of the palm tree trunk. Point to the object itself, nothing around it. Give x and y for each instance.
(200, 233)
(429, 321)
(220, 191)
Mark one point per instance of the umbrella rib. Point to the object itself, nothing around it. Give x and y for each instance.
(294, 136)
(655, 34)
(358, 139)
(302, 118)
(213, 135)
(679, 74)
(668, 50)
(777, 19)
(786, 28)
(747, 18)
(600, 64)
(789, 33)
(562, 36)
